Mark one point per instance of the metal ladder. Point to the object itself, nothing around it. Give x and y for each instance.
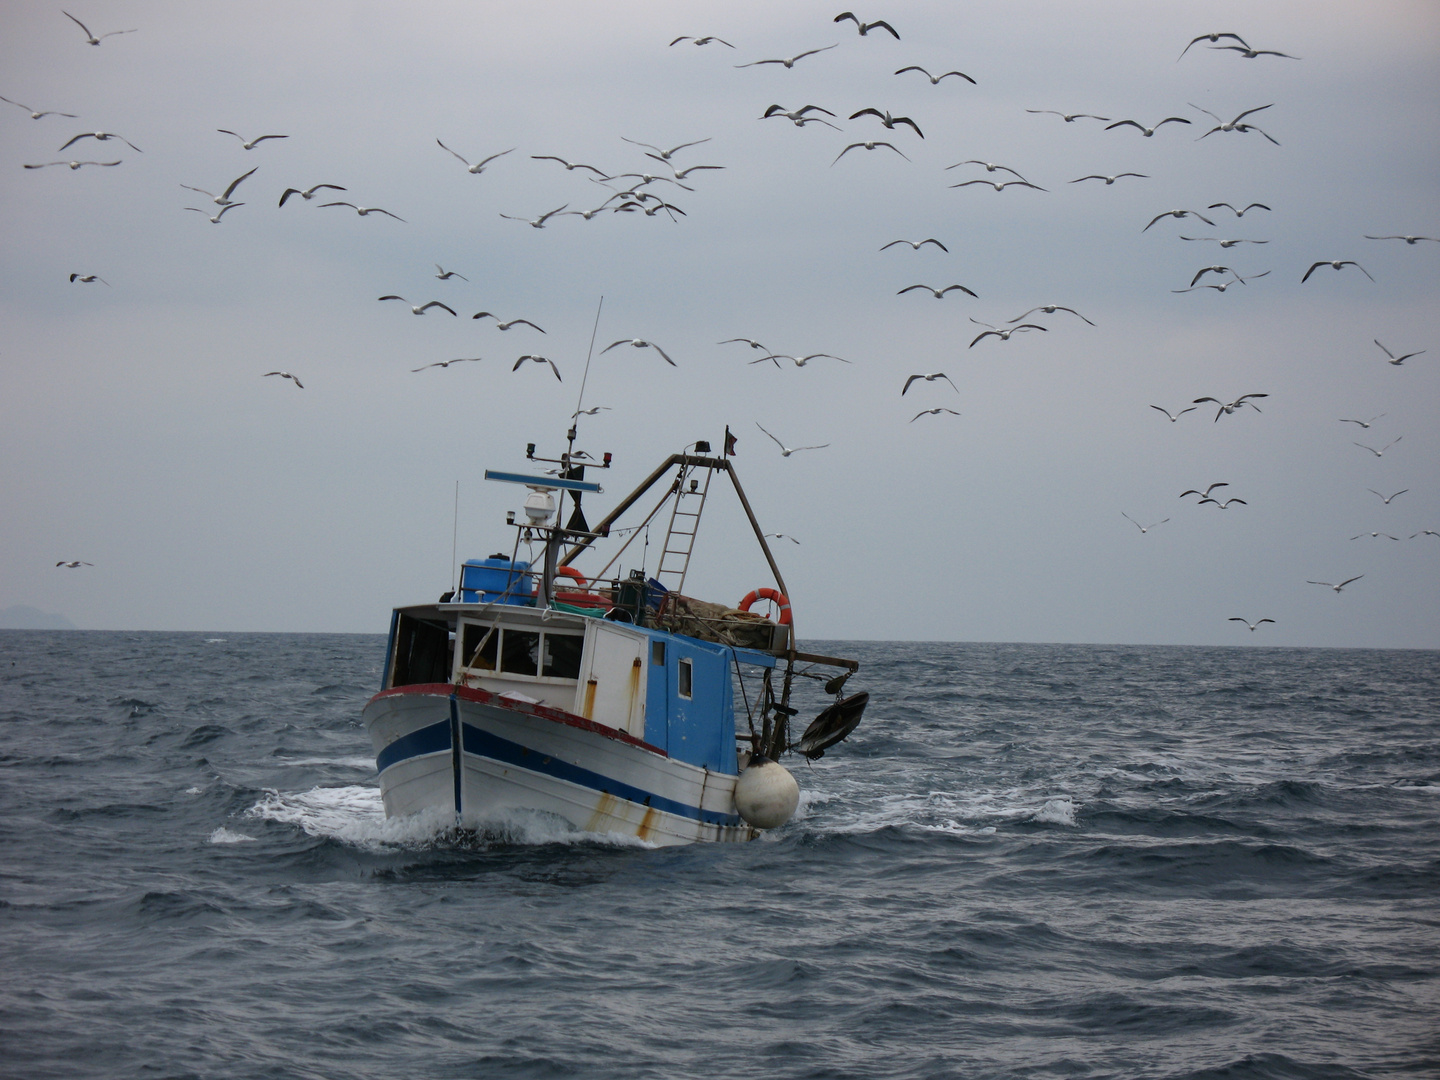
(684, 524)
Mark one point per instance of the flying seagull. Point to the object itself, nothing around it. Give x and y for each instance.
(73, 164)
(783, 536)
(800, 361)
(888, 121)
(868, 144)
(1211, 38)
(1226, 408)
(1408, 239)
(363, 210)
(916, 245)
(1003, 335)
(1001, 186)
(447, 363)
(639, 344)
(790, 63)
(786, 451)
(935, 79)
(1336, 588)
(1223, 243)
(74, 564)
(665, 154)
(1386, 498)
(1142, 528)
(929, 378)
(939, 294)
(219, 214)
(990, 166)
(1178, 214)
(1177, 416)
(1335, 264)
(539, 222)
(748, 341)
(1250, 54)
(505, 325)
(1110, 179)
(1237, 213)
(1375, 536)
(1381, 451)
(223, 199)
(87, 279)
(1050, 309)
(1070, 118)
(91, 39)
(865, 27)
(701, 40)
(1236, 618)
(1397, 360)
(251, 143)
(597, 408)
(1222, 505)
(1215, 270)
(1363, 423)
(1206, 493)
(1231, 125)
(932, 412)
(479, 166)
(37, 114)
(1223, 285)
(101, 136)
(446, 275)
(421, 308)
(1147, 131)
(570, 166)
(308, 193)
(538, 360)
(285, 375)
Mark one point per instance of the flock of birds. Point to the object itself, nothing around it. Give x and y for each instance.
(653, 189)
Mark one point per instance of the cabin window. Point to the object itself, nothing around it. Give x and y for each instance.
(684, 678)
(562, 656)
(520, 652)
(657, 652)
(481, 646)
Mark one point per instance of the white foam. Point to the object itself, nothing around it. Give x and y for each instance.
(1056, 812)
(223, 835)
(364, 763)
(192, 791)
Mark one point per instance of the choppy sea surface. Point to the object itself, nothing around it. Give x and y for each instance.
(1029, 861)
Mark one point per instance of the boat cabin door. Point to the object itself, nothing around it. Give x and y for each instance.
(613, 677)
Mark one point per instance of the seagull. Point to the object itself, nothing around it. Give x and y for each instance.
(73, 164)
(929, 378)
(865, 27)
(219, 214)
(1381, 451)
(935, 79)
(1223, 506)
(786, 451)
(1236, 618)
(868, 144)
(1225, 285)
(701, 40)
(91, 39)
(1003, 335)
(1177, 416)
(790, 63)
(1408, 239)
(447, 363)
(939, 294)
(681, 174)
(538, 360)
(1335, 264)
(1147, 131)
(285, 375)
(420, 309)
(1386, 499)
(800, 361)
(1237, 213)
(308, 193)
(504, 325)
(1227, 409)
(639, 344)
(665, 154)
(916, 245)
(1070, 118)
(1142, 528)
(888, 121)
(932, 412)
(1424, 532)
(1397, 360)
(87, 279)
(1178, 214)
(1111, 179)
(364, 210)
(801, 120)
(783, 536)
(1363, 423)
(101, 136)
(446, 275)
(1001, 186)
(748, 341)
(1206, 493)
(1250, 54)
(537, 223)
(1233, 125)
(75, 564)
(990, 166)
(793, 114)
(479, 166)
(570, 166)
(37, 115)
(1210, 38)
(592, 411)
(250, 144)
(1337, 588)
(1050, 309)
(670, 208)
(1224, 243)
(1375, 536)
(223, 199)
(1215, 270)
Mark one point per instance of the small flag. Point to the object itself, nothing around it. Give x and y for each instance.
(730, 442)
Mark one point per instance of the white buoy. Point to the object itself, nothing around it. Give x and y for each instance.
(766, 794)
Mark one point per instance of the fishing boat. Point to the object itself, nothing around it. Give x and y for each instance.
(610, 701)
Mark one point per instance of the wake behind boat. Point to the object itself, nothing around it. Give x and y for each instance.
(608, 701)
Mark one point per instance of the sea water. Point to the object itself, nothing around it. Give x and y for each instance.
(1029, 861)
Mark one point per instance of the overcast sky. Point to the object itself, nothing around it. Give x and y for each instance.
(137, 431)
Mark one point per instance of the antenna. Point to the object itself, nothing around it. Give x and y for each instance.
(455, 536)
(595, 330)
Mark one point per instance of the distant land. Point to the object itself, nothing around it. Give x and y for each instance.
(24, 617)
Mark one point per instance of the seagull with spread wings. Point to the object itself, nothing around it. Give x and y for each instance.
(868, 144)
(363, 211)
(929, 378)
(538, 360)
(1176, 416)
(249, 144)
(1336, 588)
(1334, 264)
(420, 309)
(865, 27)
(101, 136)
(307, 194)
(506, 325)
(888, 121)
(1257, 622)
(640, 344)
(916, 245)
(790, 61)
(479, 166)
(447, 363)
(939, 294)
(223, 199)
(1147, 131)
(1226, 408)
(91, 39)
(1143, 528)
(1050, 309)
(1397, 360)
(285, 375)
(935, 79)
(786, 451)
(36, 114)
(1003, 335)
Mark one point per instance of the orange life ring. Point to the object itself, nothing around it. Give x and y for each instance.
(571, 572)
(767, 594)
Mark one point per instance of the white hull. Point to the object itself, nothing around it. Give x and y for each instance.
(515, 756)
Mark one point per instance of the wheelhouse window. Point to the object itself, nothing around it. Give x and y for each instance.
(684, 678)
(561, 657)
(481, 646)
(524, 653)
(657, 653)
(520, 652)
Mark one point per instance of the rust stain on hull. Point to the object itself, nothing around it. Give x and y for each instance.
(604, 813)
(647, 823)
